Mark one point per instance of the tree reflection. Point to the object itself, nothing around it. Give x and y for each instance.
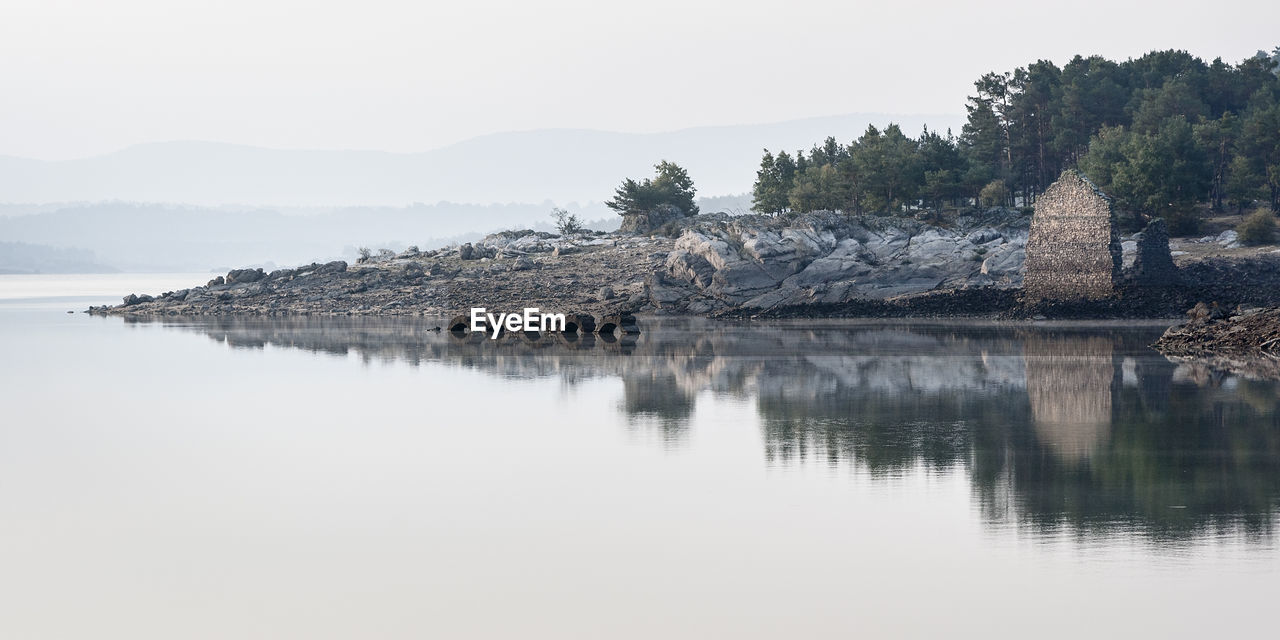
(1080, 428)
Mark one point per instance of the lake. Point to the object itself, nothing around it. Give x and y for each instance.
(376, 478)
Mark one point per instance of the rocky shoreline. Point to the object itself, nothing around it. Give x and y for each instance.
(815, 265)
(1243, 341)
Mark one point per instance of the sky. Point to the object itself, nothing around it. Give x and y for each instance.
(80, 78)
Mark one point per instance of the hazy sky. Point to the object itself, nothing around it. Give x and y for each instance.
(87, 77)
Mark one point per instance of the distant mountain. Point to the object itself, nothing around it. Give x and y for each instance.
(20, 257)
(561, 165)
(165, 237)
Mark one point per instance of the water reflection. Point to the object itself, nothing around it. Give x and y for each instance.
(1063, 427)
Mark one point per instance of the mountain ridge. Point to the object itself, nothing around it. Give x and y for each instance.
(534, 165)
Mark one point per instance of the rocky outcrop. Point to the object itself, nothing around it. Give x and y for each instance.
(1073, 252)
(651, 220)
(244, 275)
(819, 263)
(826, 258)
(1243, 341)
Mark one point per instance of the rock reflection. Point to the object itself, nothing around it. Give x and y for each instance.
(1081, 428)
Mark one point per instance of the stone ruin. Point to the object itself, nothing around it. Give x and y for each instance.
(1073, 251)
(1152, 263)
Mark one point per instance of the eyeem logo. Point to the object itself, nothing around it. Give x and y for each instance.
(530, 320)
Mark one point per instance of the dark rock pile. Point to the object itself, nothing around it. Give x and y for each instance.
(1213, 329)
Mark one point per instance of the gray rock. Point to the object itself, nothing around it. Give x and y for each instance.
(218, 281)
(621, 322)
(466, 252)
(822, 257)
(648, 221)
(134, 298)
(523, 263)
(605, 293)
(337, 266)
(237, 276)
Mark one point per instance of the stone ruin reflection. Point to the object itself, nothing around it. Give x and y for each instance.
(1050, 425)
(1069, 384)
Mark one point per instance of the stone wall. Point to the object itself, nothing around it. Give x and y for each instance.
(1073, 252)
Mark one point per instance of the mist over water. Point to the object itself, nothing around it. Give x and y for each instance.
(337, 477)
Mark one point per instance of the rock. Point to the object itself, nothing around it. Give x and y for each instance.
(281, 274)
(1205, 312)
(438, 269)
(605, 293)
(413, 270)
(648, 221)
(829, 258)
(337, 266)
(238, 276)
(134, 298)
(623, 322)
(460, 323)
(1228, 238)
(575, 322)
(218, 281)
(523, 263)
(466, 252)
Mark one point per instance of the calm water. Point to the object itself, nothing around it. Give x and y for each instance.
(363, 478)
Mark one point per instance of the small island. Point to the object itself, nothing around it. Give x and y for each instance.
(1072, 193)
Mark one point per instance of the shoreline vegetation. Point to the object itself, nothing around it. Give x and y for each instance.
(886, 225)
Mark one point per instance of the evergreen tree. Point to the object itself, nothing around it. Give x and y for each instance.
(670, 185)
(1260, 144)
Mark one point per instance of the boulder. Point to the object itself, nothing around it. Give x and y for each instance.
(134, 298)
(466, 252)
(579, 322)
(337, 266)
(238, 276)
(523, 263)
(648, 221)
(605, 293)
(619, 322)
(460, 323)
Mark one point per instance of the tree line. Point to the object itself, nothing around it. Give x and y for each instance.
(1167, 134)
